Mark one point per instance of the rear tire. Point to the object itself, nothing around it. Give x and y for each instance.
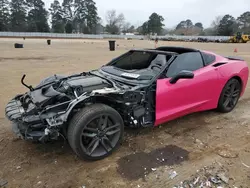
(95, 132)
(229, 96)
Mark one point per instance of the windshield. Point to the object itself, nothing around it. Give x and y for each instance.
(138, 64)
(134, 60)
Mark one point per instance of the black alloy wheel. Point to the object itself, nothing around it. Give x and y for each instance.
(100, 136)
(230, 96)
(95, 132)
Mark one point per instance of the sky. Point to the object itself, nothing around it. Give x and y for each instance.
(137, 11)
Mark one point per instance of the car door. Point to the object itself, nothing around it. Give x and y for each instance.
(186, 95)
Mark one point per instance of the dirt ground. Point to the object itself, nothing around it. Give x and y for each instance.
(147, 156)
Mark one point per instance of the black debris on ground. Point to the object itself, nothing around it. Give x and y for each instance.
(213, 176)
(136, 166)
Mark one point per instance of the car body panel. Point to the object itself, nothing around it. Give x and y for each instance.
(234, 69)
(231, 68)
(187, 95)
(200, 93)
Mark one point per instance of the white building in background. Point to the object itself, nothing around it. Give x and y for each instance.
(129, 34)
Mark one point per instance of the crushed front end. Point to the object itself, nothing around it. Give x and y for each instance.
(41, 113)
(30, 120)
(26, 122)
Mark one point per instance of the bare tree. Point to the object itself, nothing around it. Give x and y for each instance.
(114, 22)
(126, 26)
(216, 22)
(213, 30)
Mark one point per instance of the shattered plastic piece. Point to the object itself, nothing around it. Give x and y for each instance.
(196, 181)
(215, 180)
(172, 174)
(138, 186)
(153, 169)
(245, 165)
(202, 185)
(18, 167)
(208, 183)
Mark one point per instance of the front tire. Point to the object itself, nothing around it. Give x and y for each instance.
(95, 132)
(229, 96)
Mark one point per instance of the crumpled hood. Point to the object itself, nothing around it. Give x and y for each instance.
(68, 88)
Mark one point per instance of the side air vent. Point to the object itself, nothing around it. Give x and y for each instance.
(219, 64)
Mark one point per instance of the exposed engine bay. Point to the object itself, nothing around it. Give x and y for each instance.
(42, 114)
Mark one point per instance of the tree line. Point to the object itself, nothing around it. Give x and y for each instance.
(80, 16)
(225, 25)
(31, 16)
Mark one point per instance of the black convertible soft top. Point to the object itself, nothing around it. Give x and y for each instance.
(175, 49)
(164, 52)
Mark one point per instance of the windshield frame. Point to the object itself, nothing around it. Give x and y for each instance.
(113, 61)
(135, 81)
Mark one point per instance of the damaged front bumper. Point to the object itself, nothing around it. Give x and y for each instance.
(14, 110)
(29, 127)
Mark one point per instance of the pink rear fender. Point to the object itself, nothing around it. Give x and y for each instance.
(237, 69)
(232, 68)
(244, 75)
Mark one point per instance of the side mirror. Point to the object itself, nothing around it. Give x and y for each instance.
(182, 75)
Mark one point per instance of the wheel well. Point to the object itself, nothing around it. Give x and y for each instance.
(127, 112)
(239, 79)
(89, 101)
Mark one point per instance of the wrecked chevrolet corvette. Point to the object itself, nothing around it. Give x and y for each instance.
(141, 88)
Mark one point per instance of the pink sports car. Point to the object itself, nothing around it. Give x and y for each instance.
(198, 81)
(141, 88)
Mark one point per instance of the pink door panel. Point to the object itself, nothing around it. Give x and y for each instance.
(187, 95)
